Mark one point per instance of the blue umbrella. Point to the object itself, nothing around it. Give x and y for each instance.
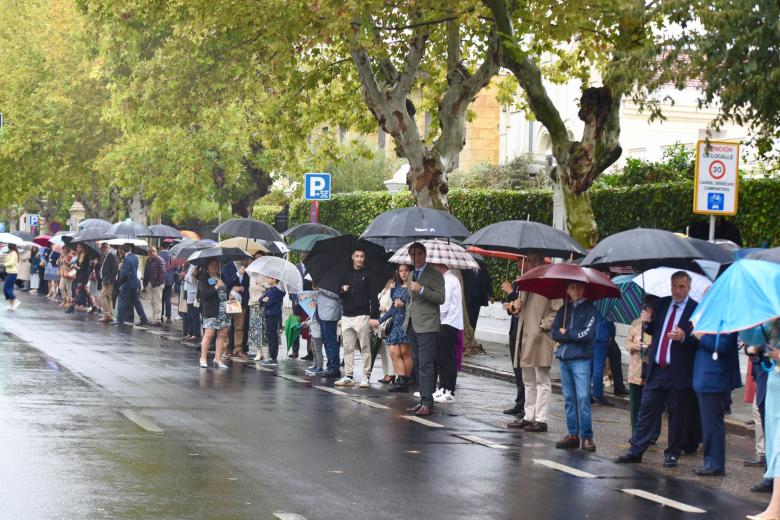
(746, 295)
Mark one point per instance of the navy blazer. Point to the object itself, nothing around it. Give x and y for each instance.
(721, 375)
(683, 353)
(128, 275)
(230, 277)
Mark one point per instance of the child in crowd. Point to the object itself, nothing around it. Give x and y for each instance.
(272, 299)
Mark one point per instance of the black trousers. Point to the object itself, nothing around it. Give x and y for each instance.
(615, 364)
(520, 398)
(423, 355)
(166, 301)
(445, 371)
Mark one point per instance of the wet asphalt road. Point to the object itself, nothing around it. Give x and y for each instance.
(101, 421)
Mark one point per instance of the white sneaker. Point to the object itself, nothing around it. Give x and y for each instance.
(444, 397)
(15, 305)
(438, 393)
(417, 394)
(365, 383)
(344, 381)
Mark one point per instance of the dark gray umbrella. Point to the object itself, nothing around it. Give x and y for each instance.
(88, 234)
(302, 230)
(204, 256)
(329, 262)
(767, 255)
(95, 223)
(249, 228)
(185, 248)
(642, 249)
(129, 229)
(416, 223)
(712, 252)
(526, 237)
(163, 231)
(24, 235)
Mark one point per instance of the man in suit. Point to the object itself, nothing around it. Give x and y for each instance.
(129, 285)
(422, 322)
(107, 271)
(669, 374)
(715, 375)
(235, 278)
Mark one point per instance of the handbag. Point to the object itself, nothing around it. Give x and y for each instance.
(233, 307)
(388, 327)
(71, 274)
(182, 306)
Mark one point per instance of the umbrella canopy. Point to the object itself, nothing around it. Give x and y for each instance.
(95, 223)
(129, 229)
(642, 249)
(626, 308)
(249, 245)
(767, 255)
(494, 254)
(526, 237)
(163, 231)
(287, 274)
(391, 244)
(119, 242)
(743, 297)
(204, 256)
(712, 252)
(91, 248)
(184, 249)
(189, 234)
(551, 281)
(438, 252)
(657, 282)
(330, 262)
(416, 223)
(43, 240)
(248, 227)
(302, 230)
(306, 242)
(24, 235)
(90, 234)
(8, 238)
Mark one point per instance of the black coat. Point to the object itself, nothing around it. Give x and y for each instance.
(208, 296)
(108, 269)
(683, 353)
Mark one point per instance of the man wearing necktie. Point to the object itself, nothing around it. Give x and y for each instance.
(669, 375)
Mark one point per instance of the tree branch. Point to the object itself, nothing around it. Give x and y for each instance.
(411, 63)
(420, 24)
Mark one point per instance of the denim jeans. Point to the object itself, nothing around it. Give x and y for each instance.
(272, 323)
(599, 360)
(8, 287)
(193, 320)
(330, 340)
(575, 383)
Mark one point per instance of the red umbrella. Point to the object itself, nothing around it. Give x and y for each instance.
(494, 254)
(43, 240)
(551, 281)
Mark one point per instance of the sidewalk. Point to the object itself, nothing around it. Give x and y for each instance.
(495, 363)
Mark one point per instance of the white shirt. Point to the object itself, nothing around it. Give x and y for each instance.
(191, 284)
(680, 308)
(451, 310)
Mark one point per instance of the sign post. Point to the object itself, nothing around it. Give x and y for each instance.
(316, 188)
(716, 185)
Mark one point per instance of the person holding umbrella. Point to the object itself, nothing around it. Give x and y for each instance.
(213, 295)
(11, 264)
(129, 287)
(397, 340)
(108, 268)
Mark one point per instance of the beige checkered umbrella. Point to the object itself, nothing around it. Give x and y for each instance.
(439, 252)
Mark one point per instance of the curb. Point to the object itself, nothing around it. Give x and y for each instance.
(734, 427)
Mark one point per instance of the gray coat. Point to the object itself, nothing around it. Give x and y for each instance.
(423, 309)
(328, 305)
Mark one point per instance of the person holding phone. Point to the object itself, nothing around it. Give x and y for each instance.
(213, 295)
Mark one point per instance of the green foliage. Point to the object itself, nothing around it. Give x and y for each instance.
(266, 213)
(514, 175)
(676, 165)
(353, 166)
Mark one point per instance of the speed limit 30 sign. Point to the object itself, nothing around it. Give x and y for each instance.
(717, 181)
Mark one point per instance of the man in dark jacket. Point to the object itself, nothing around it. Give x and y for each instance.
(169, 281)
(106, 276)
(154, 279)
(129, 287)
(237, 281)
(574, 329)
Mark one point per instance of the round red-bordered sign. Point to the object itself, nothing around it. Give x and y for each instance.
(717, 170)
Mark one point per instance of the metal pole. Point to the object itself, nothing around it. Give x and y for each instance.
(712, 227)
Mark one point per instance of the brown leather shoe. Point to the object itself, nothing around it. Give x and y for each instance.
(537, 427)
(423, 411)
(568, 442)
(587, 445)
(519, 424)
(413, 409)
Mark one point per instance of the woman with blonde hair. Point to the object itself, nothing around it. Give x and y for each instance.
(11, 264)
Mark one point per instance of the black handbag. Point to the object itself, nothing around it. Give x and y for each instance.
(388, 326)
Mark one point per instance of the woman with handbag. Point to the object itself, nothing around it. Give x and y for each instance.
(397, 342)
(213, 296)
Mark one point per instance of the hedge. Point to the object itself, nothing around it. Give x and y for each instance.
(662, 206)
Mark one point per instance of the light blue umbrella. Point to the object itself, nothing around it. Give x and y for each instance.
(746, 295)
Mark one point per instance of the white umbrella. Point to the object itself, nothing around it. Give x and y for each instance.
(122, 241)
(8, 238)
(279, 268)
(658, 282)
(439, 252)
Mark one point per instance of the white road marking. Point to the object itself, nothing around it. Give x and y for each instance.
(668, 502)
(293, 378)
(566, 469)
(140, 420)
(264, 369)
(288, 516)
(480, 440)
(420, 420)
(155, 332)
(372, 404)
(329, 389)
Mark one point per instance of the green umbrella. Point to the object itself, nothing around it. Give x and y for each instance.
(292, 330)
(307, 243)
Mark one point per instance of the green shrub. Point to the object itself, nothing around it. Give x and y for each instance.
(266, 213)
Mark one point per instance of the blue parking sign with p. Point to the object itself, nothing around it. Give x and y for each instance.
(317, 186)
(715, 201)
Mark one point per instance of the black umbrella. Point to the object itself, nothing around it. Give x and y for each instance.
(90, 248)
(302, 230)
(249, 228)
(767, 255)
(392, 244)
(204, 256)
(129, 229)
(330, 261)
(24, 235)
(90, 234)
(95, 223)
(526, 237)
(642, 249)
(186, 247)
(712, 252)
(416, 223)
(163, 231)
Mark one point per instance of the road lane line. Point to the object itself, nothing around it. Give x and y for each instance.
(140, 420)
(372, 404)
(155, 332)
(420, 420)
(329, 389)
(293, 378)
(288, 516)
(566, 469)
(480, 440)
(668, 502)
(264, 369)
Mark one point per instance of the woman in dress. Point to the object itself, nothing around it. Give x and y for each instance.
(257, 338)
(35, 269)
(397, 342)
(213, 296)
